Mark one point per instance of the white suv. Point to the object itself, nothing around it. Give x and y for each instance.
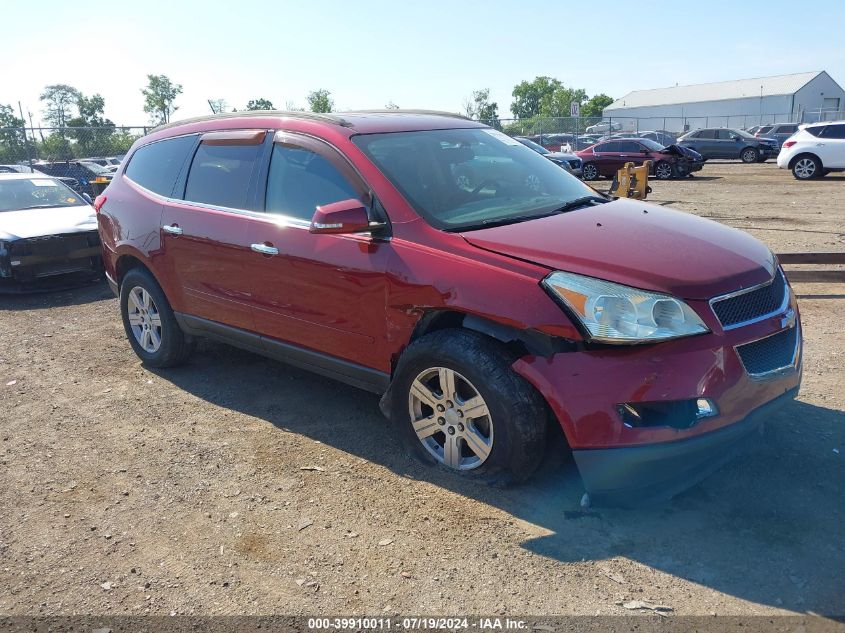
(815, 150)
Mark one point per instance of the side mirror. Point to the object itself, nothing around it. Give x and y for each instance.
(734, 138)
(346, 216)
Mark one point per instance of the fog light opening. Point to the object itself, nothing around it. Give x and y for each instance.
(679, 414)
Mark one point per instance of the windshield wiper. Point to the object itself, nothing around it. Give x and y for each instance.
(578, 203)
(41, 206)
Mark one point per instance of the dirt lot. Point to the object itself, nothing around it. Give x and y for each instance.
(239, 485)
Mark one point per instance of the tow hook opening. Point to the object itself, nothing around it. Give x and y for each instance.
(679, 414)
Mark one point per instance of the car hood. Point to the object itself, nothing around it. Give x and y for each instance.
(51, 221)
(638, 244)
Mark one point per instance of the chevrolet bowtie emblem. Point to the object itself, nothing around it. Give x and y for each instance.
(788, 319)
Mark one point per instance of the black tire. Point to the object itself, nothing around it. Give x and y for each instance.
(664, 170)
(806, 167)
(175, 347)
(749, 155)
(590, 171)
(518, 416)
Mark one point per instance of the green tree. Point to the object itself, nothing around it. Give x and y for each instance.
(260, 104)
(12, 141)
(557, 102)
(320, 101)
(217, 105)
(60, 100)
(527, 96)
(159, 96)
(391, 106)
(478, 106)
(95, 138)
(595, 106)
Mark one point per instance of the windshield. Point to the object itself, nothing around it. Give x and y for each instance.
(471, 178)
(35, 193)
(535, 146)
(654, 146)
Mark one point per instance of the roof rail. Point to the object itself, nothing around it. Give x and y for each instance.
(314, 116)
(334, 117)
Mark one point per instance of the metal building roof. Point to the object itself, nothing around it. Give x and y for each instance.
(718, 91)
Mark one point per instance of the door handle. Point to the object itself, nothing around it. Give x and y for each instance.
(264, 249)
(173, 229)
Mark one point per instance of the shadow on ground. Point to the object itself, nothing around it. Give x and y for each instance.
(54, 295)
(767, 528)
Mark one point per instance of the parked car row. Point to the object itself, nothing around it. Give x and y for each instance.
(731, 144)
(605, 158)
(86, 175)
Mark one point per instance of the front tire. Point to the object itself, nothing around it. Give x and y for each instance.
(460, 407)
(590, 171)
(807, 167)
(749, 155)
(149, 322)
(663, 170)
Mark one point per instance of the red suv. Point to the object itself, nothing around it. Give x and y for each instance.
(482, 308)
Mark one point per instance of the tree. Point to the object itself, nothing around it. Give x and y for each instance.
(527, 96)
(478, 106)
(159, 96)
(596, 105)
(260, 104)
(290, 106)
(391, 106)
(557, 102)
(60, 100)
(12, 140)
(94, 141)
(320, 101)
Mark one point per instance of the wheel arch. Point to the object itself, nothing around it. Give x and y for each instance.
(797, 157)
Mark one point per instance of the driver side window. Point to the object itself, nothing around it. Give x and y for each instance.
(300, 180)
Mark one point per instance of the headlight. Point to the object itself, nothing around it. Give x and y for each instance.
(613, 313)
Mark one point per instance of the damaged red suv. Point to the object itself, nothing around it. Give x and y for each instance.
(482, 309)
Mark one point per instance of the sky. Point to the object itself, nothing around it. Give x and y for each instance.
(369, 53)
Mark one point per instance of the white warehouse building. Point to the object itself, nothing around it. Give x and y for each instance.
(800, 97)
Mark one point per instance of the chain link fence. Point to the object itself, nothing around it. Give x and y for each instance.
(577, 126)
(33, 145)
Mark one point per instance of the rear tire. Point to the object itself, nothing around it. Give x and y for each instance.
(150, 323)
(590, 171)
(749, 155)
(806, 167)
(459, 406)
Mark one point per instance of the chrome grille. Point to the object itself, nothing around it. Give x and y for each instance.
(751, 305)
(770, 354)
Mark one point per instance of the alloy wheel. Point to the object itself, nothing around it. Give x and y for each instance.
(805, 168)
(749, 156)
(663, 171)
(590, 171)
(144, 319)
(450, 418)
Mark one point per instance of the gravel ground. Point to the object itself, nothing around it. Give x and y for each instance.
(238, 485)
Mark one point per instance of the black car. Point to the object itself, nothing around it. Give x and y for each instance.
(731, 144)
(92, 178)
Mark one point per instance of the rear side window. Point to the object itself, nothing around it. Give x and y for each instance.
(607, 147)
(787, 129)
(156, 166)
(707, 134)
(300, 180)
(834, 131)
(220, 174)
(816, 130)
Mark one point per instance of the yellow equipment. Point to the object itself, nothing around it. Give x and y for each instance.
(631, 181)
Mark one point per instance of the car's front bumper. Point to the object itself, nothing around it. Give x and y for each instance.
(31, 259)
(585, 389)
(654, 472)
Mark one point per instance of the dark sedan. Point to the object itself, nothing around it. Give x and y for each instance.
(606, 158)
(731, 144)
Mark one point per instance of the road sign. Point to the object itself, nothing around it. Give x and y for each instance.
(574, 109)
